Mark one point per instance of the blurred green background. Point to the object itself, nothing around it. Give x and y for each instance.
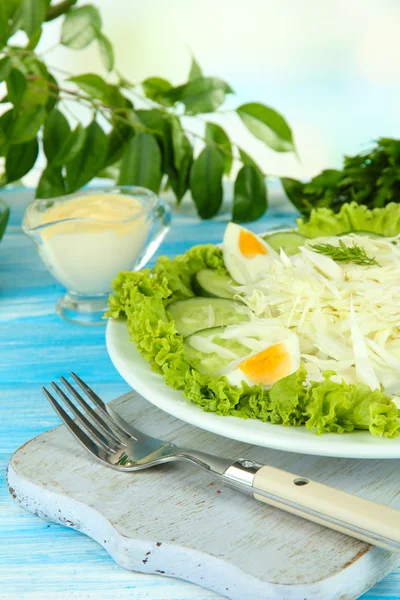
(331, 68)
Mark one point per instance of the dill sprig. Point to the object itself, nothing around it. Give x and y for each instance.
(342, 253)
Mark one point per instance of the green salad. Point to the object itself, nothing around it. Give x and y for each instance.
(286, 328)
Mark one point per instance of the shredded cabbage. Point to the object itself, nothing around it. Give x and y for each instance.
(347, 318)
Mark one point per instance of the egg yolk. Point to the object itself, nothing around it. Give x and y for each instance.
(268, 366)
(249, 245)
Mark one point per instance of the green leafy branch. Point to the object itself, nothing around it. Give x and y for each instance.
(136, 133)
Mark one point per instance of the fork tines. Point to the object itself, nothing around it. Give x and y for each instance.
(95, 428)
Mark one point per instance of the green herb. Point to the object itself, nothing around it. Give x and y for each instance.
(152, 146)
(371, 179)
(342, 253)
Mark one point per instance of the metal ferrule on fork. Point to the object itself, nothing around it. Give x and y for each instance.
(241, 473)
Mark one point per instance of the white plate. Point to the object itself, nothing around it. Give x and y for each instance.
(137, 372)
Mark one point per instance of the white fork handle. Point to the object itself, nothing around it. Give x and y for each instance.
(369, 521)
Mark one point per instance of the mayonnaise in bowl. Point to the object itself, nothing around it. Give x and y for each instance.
(85, 239)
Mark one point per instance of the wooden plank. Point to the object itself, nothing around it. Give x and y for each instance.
(175, 521)
(43, 560)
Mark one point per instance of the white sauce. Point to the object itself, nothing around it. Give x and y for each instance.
(85, 255)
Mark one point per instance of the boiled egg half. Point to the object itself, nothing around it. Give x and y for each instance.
(247, 256)
(278, 358)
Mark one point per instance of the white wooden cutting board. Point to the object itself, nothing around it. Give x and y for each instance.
(176, 521)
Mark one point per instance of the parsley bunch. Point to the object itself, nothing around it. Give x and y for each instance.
(372, 179)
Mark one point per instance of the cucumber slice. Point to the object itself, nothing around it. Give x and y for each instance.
(203, 313)
(209, 352)
(289, 241)
(211, 284)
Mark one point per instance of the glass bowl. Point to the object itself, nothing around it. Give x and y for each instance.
(85, 253)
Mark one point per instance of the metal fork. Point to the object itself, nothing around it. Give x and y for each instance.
(119, 445)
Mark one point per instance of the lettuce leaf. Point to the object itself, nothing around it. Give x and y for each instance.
(340, 407)
(352, 217)
(143, 298)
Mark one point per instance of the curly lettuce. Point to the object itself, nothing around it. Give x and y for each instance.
(352, 217)
(143, 297)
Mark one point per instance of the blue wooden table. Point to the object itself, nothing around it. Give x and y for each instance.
(41, 560)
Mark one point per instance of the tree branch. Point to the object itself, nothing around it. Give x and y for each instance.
(59, 9)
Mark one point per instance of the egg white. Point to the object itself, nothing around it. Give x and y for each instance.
(245, 269)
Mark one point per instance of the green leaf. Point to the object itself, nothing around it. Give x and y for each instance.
(92, 84)
(155, 89)
(206, 182)
(5, 67)
(294, 190)
(56, 131)
(124, 83)
(20, 159)
(80, 27)
(70, 147)
(95, 86)
(159, 125)
(32, 14)
(180, 181)
(90, 160)
(195, 70)
(250, 195)
(116, 142)
(106, 51)
(4, 216)
(52, 85)
(141, 163)
(215, 133)
(154, 120)
(123, 116)
(27, 124)
(16, 86)
(35, 89)
(34, 39)
(267, 125)
(201, 95)
(51, 183)
(10, 19)
(177, 141)
(4, 24)
(246, 159)
(6, 125)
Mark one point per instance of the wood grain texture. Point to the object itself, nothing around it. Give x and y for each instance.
(175, 521)
(41, 560)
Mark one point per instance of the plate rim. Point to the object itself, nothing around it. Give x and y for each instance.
(277, 436)
(211, 419)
